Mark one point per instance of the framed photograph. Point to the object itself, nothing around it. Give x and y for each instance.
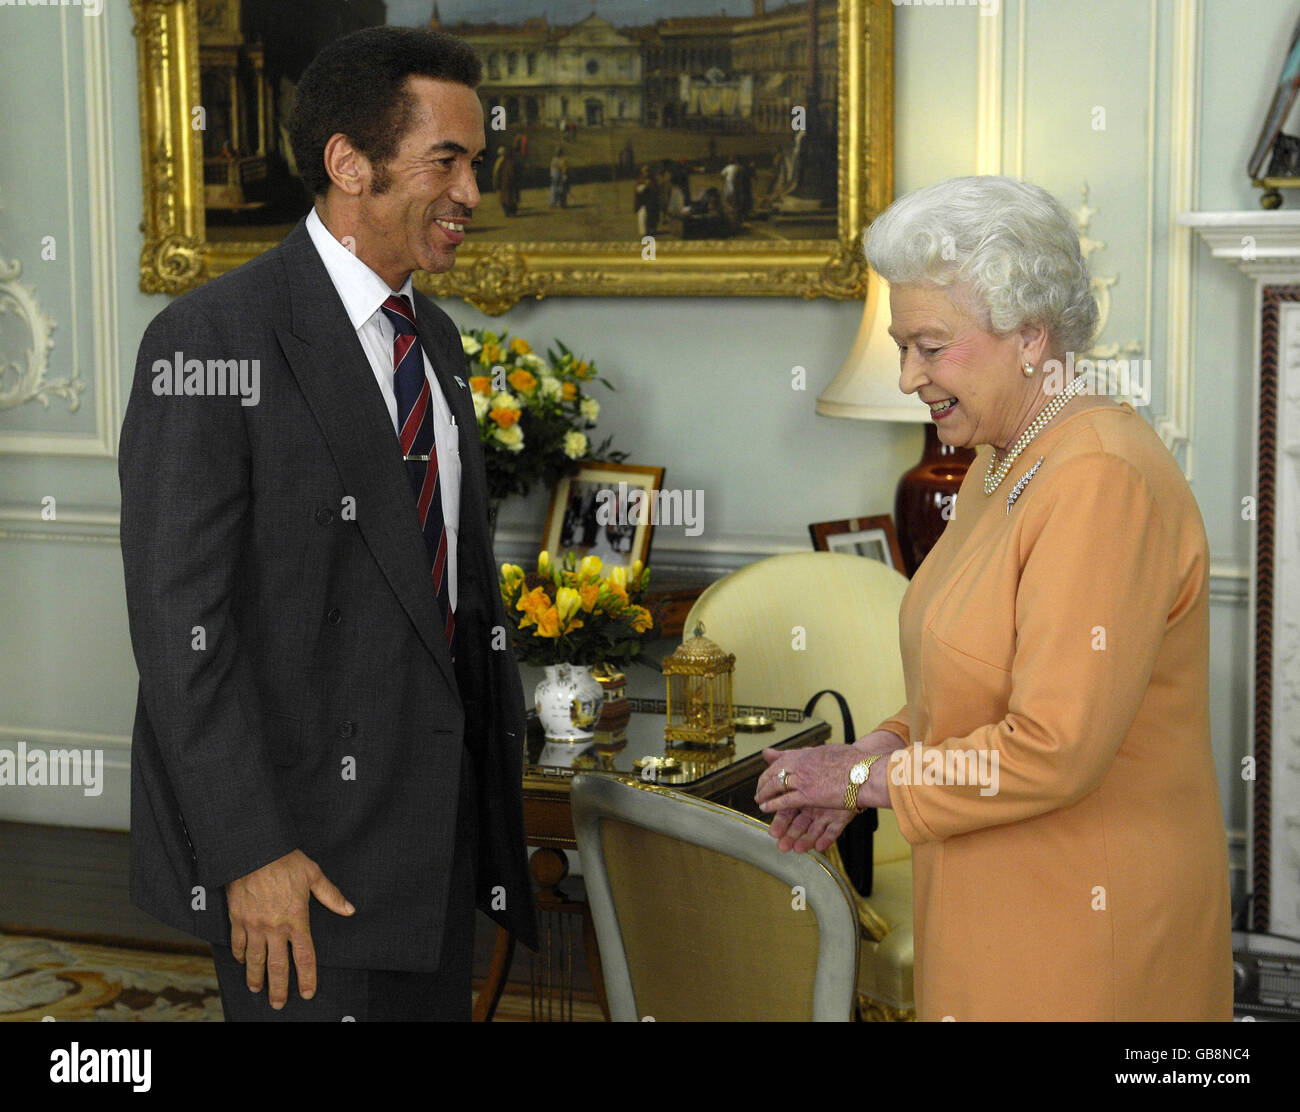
(605, 510)
(873, 537)
(667, 147)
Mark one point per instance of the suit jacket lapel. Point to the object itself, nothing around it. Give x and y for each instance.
(334, 375)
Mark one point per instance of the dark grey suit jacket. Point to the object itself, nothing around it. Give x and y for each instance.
(296, 691)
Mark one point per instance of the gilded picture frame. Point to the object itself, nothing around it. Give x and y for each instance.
(178, 254)
(605, 510)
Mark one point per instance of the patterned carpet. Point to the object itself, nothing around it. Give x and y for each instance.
(81, 981)
(76, 980)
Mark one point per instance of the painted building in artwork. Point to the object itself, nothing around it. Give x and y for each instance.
(726, 73)
(773, 47)
(589, 74)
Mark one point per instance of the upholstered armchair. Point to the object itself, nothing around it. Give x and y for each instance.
(700, 917)
(807, 621)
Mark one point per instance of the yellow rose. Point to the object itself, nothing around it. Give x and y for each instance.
(567, 602)
(589, 568)
(641, 620)
(618, 576)
(511, 574)
(543, 563)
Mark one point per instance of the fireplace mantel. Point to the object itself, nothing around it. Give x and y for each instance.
(1262, 245)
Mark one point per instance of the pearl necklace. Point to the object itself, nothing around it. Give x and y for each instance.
(998, 468)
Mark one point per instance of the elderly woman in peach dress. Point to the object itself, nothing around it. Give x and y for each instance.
(1052, 767)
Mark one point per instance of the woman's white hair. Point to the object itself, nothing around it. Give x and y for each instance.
(1010, 243)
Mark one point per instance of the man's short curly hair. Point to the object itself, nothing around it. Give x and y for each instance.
(357, 86)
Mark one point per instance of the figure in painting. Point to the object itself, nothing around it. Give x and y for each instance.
(559, 179)
(505, 180)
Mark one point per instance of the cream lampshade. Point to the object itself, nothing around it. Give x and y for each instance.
(866, 389)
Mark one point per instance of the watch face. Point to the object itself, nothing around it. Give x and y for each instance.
(858, 773)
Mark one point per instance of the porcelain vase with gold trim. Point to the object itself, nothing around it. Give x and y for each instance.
(568, 703)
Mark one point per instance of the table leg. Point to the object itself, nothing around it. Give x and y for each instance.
(593, 959)
(495, 983)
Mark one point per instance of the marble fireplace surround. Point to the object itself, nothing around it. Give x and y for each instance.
(1265, 246)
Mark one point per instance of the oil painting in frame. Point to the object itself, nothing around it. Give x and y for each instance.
(757, 160)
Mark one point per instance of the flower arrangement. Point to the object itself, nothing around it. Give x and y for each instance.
(569, 613)
(534, 414)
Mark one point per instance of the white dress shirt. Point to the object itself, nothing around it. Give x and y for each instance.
(363, 292)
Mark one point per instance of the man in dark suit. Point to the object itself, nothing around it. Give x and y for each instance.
(328, 703)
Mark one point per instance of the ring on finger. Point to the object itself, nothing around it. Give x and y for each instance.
(784, 776)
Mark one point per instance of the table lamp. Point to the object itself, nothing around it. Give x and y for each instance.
(866, 389)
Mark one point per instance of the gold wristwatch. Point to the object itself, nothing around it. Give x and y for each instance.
(857, 777)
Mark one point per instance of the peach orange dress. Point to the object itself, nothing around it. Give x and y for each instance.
(1070, 637)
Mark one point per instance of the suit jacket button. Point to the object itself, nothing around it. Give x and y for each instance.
(334, 616)
(347, 729)
(324, 516)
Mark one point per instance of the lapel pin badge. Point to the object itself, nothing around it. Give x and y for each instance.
(1023, 482)
(459, 381)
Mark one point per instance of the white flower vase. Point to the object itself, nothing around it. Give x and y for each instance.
(568, 703)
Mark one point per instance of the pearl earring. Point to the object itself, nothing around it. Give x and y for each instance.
(1027, 369)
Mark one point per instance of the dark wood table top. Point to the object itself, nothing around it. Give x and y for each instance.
(725, 774)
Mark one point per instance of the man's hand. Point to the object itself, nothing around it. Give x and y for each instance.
(269, 912)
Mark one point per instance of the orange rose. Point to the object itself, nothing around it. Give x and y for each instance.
(589, 592)
(569, 391)
(504, 417)
(520, 347)
(481, 384)
(531, 604)
(548, 622)
(521, 380)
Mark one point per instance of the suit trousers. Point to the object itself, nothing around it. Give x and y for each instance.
(383, 994)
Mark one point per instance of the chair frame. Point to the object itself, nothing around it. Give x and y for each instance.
(596, 796)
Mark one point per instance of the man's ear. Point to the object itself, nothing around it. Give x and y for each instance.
(347, 167)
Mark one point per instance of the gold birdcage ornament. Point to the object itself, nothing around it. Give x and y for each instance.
(698, 675)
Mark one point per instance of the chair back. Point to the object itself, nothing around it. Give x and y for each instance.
(700, 917)
(802, 622)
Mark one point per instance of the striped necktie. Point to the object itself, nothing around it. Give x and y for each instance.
(415, 420)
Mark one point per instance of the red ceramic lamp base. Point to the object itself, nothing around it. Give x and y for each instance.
(926, 496)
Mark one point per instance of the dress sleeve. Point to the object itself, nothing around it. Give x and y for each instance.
(1098, 580)
(898, 724)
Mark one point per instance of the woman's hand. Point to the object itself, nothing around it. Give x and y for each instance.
(809, 808)
(809, 828)
(815, 777)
